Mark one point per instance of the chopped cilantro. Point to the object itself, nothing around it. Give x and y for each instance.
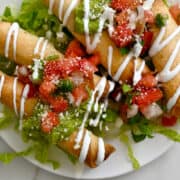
(126, 88)
(65, 85)
(124, 50)
(52, 57)
(161, 20)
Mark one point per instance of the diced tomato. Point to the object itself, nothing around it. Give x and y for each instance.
(95, 59)
(122, 36)
(147, 81)
(149, 16)
(121, 5)
(46, 88)
(49, 121)
(80, 94)
(175, 12)
(147, 97)
(32, 91)
(122, 17)
(75, 50)
(147, 40)
(87, 68)
(59, 104)
(169, 120)
(61, 69)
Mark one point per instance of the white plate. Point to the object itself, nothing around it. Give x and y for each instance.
(118, 164)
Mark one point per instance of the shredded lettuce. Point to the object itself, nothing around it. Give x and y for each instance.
(7, 158)
(125, 139)
(169, 133)
(7, 117)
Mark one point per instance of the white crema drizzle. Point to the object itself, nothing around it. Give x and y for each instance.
(99, 90)
(69, 11)
(13, 31)
(22, 103)
(101, 151)
(108, 14)
(37, 50)
(123, 66)
(158, 45)
(85, 146)
(167, 74)
(51, 4)
(172, 101)
(138, 71)
(110, 58)
(14, 95)
(1, 84)
(60, 10)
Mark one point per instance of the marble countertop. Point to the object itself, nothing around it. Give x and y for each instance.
(166, 167)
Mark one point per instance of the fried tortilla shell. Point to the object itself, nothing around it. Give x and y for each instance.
(103, 45)
(25, 46)
(68, 145)
(161, 58)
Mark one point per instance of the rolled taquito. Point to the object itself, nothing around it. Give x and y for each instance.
(167, 59)
(9, 93)
(102, 47)
(26, 46)
(21, 46)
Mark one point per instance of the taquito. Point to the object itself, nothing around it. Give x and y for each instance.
(26, 55)
(21, 46)
(165, 60)
(103, 45)
(160, 59)
(7, 97)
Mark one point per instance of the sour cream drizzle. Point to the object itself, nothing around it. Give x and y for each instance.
(138, 71)
(167, 74)
(158, 45)
(60, 11)
(69, 11)
(172, 101)
(22, 103)
(110, 57)
(123, 66)
(103, 107)
(99, 89)
(101, 151)
(42, 54)
(37, 50)
(1, 84)
(13, 31)
(51, 4)
(107, 15)
(14, 95)
(85, 147)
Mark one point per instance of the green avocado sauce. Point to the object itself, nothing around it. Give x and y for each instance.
(96, 9)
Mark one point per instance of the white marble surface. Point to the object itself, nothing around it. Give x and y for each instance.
(166, 167)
